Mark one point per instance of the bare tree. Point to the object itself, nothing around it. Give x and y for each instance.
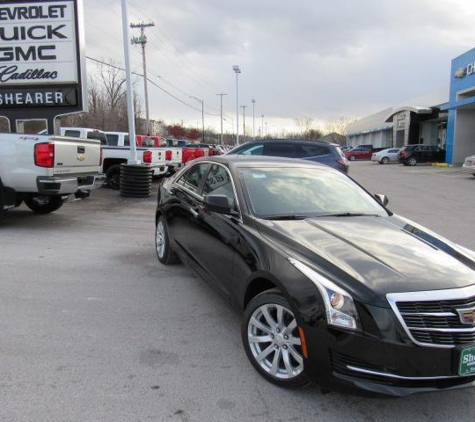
(339, 125)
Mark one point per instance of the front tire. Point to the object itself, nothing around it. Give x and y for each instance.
(44, 204)
(352, 158)
(271, 340)
(165, 253)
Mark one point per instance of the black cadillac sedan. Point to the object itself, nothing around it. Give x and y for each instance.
(334, 288)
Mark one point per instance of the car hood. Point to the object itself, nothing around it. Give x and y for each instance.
(385, 254)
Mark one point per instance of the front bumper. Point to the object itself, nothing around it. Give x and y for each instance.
(61, 185)
(382, 361)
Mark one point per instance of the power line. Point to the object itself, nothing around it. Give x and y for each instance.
(149, 80)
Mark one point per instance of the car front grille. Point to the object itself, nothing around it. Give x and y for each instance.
(433, 318)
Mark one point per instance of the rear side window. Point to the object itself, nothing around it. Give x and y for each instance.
(283, 150)
(73, 133)
(99, 136)
(315, 150)
(192, 178)
(112, 139)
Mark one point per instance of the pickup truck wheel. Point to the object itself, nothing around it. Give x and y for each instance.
(164, 250)
(113, 177)
(44, 204)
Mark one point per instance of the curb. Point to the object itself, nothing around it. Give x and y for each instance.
(440, 165)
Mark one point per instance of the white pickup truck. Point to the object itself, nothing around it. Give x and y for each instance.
(173, 155)
(45, 170)
(117, 152)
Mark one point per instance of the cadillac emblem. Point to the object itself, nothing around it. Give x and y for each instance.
(467, 316)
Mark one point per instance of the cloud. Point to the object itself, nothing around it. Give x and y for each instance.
(306, 58)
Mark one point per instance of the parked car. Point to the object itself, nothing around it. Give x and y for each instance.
(333, 287)
(411, 155)
(360, 152)
(318, 151)
(469, 164)
(386, 156)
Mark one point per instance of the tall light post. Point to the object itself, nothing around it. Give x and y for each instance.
(237, 71)
(262, 126)
(202, 117)
(244, 122)
(221, 138)
(253, 119)
(142, 40)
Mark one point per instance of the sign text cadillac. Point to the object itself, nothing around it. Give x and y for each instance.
(41, 61)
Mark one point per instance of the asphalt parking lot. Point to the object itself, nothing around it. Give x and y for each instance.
(93, 328)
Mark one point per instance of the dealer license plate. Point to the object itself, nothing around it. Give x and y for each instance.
(467, 361)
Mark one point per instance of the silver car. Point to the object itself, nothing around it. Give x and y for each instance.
(386, 156)
(469, 164)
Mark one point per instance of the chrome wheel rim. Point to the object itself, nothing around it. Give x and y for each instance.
(274, 341)
(160, 239)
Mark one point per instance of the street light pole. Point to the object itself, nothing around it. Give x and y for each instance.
(244, 122)
(221, 137)
(253, 119)
(128, 79)
(237, 71)
(202, 117)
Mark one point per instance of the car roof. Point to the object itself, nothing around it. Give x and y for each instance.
(242, 161)
(284, 141)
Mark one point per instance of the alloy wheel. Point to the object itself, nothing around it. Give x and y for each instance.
(160, 239)
(274, 341)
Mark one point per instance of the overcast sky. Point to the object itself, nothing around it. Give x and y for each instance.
(321, 59)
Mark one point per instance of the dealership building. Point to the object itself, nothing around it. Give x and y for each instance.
(445, 117)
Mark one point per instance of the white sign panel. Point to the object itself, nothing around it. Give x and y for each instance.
(38, 43)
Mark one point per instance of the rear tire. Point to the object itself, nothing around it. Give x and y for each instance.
(113, 177)
(412, 161)
(44, 204)
(352, 158)
(165, 253)
(271, 340)
(385, 160)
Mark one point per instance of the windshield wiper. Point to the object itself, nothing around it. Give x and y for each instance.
(347, 214)
(286, 217)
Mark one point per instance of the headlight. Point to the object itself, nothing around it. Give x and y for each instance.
(339, 305)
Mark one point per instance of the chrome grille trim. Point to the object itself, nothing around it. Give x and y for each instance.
(400, 377)
(463, 293)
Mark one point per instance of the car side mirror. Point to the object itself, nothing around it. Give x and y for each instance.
(382, 199)
(217, 203)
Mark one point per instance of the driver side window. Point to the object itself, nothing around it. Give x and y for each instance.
(218, 182)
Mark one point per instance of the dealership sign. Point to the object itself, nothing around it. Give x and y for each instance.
(465, 70)
(41, 59)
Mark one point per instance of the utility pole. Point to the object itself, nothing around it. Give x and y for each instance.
(221, 138)
(244, 122)
(142, 40)
(262, 126)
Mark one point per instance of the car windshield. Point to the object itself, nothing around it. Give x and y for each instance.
(304, 192)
